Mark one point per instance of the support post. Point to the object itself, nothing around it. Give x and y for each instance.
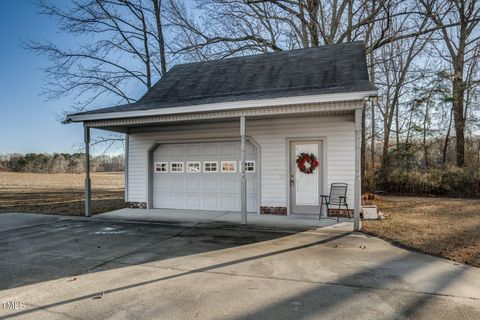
(150, 176)
(357, 184)
(88, 182)
(243, 180)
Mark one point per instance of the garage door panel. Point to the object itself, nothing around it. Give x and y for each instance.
(252, 203)
(176, 151)
(193, 201)
(162, 150)
(161, 185)
(176, 183)
(161, 200)
(229, 149)
(210, 184)
(251, 185)
(203, 190)
(210, 202)
(210, 150)
(193, 184)
(177, 201)
(230, 202)
(230, 185)
(194, 150)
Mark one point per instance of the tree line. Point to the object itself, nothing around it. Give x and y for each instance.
(59, 163)
(423, 55)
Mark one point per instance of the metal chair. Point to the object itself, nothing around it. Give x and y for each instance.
(337, 197)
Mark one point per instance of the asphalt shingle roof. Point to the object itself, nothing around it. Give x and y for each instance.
(338, 68)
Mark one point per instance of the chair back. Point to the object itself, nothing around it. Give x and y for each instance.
(337, 191)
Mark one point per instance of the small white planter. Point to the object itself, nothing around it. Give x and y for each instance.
(370, 212)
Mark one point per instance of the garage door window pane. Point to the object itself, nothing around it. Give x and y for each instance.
(229, 166)
(193, 167)
(249, 165)
(161, 166)
(176, 167)
(210, 166)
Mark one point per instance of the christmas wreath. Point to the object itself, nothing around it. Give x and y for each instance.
(307, 162)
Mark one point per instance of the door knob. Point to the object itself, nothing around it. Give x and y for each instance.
(292, 180)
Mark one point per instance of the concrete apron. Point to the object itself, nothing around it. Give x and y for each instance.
(225, 218)
(64, 267)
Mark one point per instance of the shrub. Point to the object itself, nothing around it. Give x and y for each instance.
(452, 181)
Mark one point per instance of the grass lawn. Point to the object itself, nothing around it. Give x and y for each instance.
(59, 193)
(444, 227)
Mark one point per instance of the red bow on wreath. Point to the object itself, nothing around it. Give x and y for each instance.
(307, 162)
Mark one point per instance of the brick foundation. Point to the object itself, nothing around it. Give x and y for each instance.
(343, 213)
(136, 205)
(280, 211)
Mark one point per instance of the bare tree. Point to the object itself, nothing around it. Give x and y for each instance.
(460, 42)
(121, 45)
(230, 27)
(236, 26)
(157, 11)
(395, 63)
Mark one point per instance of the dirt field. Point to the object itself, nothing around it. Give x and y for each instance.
(59, 193)
(443, 227)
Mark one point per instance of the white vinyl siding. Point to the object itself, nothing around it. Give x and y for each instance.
(271, 135)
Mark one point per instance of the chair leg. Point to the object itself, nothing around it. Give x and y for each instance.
(321, 208)
(348, 211)
(338, 213)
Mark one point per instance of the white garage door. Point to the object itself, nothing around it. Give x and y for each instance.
(203, 176)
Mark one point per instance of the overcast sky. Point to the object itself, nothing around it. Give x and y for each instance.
(28, 123)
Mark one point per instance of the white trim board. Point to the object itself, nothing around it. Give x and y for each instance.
(224, 106)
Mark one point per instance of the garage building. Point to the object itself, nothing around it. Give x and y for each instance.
(229, 135)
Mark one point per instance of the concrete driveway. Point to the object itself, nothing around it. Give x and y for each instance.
(60, 268)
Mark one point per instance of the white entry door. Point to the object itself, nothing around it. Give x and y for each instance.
(203, 176)
(305, 188)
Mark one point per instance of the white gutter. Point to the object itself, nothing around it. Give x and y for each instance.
(224, 106)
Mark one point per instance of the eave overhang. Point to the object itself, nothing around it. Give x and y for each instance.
(216, 110)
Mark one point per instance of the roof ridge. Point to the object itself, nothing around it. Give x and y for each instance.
(272, 53)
